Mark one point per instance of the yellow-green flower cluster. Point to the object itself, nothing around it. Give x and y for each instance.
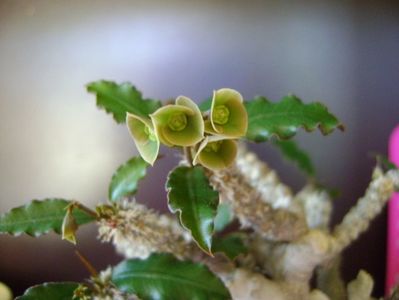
(209, 136)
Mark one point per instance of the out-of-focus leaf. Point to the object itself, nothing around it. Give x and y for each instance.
(163, 277)
(224, 216)
(125, 180)
(231, 245)
(190, 194)
(284, 118)
(205, 105)
(384, 162)
(292, 152)
(118, 99)
(39, 217)
(50, 291)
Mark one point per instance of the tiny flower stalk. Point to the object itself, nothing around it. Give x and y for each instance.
(228, 116)
(180, 124)
(143, 134)
(216, 153)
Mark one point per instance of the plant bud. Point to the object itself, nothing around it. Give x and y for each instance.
(143, 134)
(69, 227)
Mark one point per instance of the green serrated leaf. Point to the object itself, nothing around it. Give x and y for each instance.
(125, 180)
(163, 277)
(50, 290)
(284, 118)
(231, 245)
(224, 216)
(190, 194)
(292, 152)
(118, 99)
(39, 217)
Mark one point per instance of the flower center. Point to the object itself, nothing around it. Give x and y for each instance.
(213, 146)
(177, 121)
(150, 133)
(220, 114)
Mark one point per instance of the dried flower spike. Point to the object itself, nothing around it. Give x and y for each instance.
(144, 137)
(180, 124)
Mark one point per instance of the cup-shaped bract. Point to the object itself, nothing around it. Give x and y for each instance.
(69, 227)
(144, 137)
(228, 115)
(180, 124)
(216, 153)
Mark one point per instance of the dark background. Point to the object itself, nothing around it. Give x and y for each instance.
(54, 142)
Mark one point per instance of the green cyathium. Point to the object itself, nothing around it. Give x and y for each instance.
(180, 124)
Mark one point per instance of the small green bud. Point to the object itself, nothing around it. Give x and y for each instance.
(216, 153)
(180, 124)
(228, 115)
(144, 137)
(69, 226)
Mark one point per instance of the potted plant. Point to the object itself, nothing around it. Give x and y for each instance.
(236, 231)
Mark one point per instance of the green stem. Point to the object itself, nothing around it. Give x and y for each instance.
(93, 272)
(188, 155)
(85, 209)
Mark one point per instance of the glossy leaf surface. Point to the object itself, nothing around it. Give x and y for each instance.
(163, 277)
(126, 178)
(192, 197)
(284, 118)
(118, 99)
(39, 217)
(50, 290)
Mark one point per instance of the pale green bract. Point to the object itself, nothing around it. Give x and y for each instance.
(180, 124)
(216, 153)
(144, 137)
(228, 116)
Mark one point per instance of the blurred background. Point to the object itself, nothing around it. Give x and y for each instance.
(54, 142)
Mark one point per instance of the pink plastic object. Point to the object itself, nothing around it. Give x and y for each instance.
(392, 277)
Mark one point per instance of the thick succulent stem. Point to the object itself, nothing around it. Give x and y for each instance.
(264, 180)
(358, 219)
(253, 211)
